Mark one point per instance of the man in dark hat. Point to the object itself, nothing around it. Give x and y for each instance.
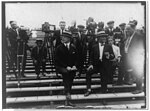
(99, 63)
(133, 23)
(100, 26)
(66, 62)
(39, 54)
(110, 29)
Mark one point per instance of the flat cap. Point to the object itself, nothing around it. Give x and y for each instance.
(110, 22)
(133, 22)
(81, 26)
(122, 24)
(100, 23)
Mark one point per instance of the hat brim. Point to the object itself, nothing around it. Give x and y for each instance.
(39, 41)
(102, 35)
(66, 36)
(110, 23)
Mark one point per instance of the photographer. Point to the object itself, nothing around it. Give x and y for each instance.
(17, 39)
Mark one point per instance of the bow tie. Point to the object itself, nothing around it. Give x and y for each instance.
(102, 44)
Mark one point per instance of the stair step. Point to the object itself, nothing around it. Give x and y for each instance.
(47, 81)
(74, 97)
(52, 69)
(54, 88)
(31, 63)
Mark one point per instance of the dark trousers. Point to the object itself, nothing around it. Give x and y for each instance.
(67, 77)
(124, 75)
(38, 66)
(104, 72)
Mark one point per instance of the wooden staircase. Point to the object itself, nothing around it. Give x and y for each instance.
(48, 90)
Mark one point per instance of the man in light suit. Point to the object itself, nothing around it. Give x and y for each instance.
(100, 62)
(135, 55)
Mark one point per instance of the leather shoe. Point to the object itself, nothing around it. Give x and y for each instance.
(128, 82)
(105, 91)
(67, 103)
(104, 102)
(68, 96)
(23, 75)
(137, 91)
(118, 83)
(87, 93)
(43, 74)
(38, 77)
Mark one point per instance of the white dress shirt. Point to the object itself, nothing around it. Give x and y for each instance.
(116, 51)
(67, 45)
(101, 48)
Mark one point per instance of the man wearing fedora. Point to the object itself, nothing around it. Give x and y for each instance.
(39, 54)
(66, 62)
(99, 62)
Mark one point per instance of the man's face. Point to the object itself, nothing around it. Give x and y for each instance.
(65, 39)
(122, 27)
(111, 25)
(14, 25)
(129, 31)
(80, 29)
(102, 39)
(62, 25)
(39, 44)
(110, 41)
(74, 35)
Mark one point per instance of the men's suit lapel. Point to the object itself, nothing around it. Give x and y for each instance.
(65, 48)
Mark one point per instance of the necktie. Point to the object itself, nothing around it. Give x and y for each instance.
(38, 50)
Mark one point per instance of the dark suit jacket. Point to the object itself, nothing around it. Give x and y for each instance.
(95, 55)
(65, 57)
(107, 31)
(12, 36)
(42, 53)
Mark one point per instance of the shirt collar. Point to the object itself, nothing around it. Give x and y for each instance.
(67, 43)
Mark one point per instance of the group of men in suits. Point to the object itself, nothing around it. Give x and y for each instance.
(105, 56)
(108, 48)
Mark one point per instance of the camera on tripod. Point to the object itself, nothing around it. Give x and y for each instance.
(47, 28)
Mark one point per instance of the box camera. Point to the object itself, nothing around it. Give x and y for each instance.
(46, 27)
